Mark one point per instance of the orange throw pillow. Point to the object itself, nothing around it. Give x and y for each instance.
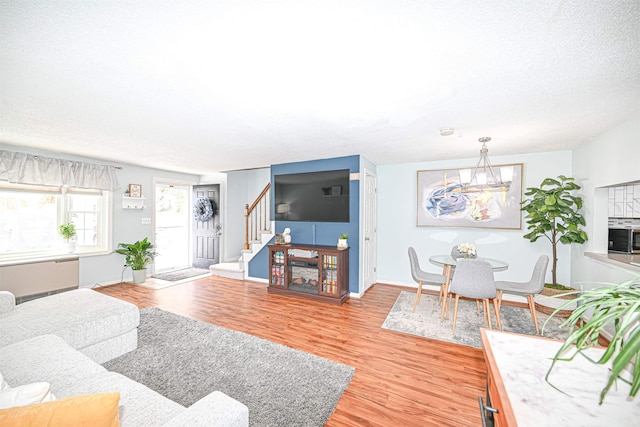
(96, 410)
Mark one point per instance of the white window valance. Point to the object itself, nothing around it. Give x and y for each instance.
(22, 168)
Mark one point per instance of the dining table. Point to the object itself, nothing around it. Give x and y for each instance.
(447, 262)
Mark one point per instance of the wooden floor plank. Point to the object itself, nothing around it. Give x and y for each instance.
(400, 379)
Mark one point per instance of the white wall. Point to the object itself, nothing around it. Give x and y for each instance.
(397, 228)
(612, 158)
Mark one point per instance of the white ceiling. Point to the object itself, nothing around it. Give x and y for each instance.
(202, 86)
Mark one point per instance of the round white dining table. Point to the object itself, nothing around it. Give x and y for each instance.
(449, 261)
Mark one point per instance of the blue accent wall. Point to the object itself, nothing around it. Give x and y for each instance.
(319, 233)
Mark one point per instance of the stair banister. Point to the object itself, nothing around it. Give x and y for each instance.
(256, 217)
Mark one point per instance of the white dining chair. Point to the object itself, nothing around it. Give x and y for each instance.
(422, 277)
(474, 279)
(526, 289)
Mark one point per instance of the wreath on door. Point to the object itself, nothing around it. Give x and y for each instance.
(204, 209)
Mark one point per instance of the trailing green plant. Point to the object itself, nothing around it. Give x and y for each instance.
(552, 212)
(616, 306)
(67, 231)
(137, 255)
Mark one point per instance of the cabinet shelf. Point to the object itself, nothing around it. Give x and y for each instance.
(324, 276)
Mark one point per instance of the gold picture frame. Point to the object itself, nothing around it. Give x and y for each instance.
(135, 190)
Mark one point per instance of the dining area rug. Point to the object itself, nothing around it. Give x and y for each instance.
(425, 321)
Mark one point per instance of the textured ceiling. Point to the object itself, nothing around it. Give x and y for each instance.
(215, 85)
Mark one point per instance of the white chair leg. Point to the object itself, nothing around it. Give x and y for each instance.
(487, 312)
(455, 315)
(532, 307)
(496, 306)
(415, 304)
(499, 298)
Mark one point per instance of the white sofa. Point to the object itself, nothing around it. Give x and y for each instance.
(57, 340)
(100, 326)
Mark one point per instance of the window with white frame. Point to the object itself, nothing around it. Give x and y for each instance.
(30, 216)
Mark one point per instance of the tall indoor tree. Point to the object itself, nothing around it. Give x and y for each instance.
(552, 212)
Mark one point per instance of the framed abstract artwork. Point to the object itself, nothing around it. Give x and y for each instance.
(447, 199)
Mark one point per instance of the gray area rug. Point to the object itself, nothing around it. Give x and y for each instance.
(185, 273)
(426, 322)
(185, 360)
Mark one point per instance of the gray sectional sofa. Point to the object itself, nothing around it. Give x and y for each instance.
(62, 339)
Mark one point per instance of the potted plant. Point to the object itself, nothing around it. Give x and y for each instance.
(613, 306)
(67, 231)
(552, 212)
(342, 241)
(137, 256)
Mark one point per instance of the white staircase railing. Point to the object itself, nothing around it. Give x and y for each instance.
(257, 217)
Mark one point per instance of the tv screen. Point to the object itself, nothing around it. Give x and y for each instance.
(312, 196)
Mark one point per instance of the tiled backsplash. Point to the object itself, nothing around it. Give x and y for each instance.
(624, 201)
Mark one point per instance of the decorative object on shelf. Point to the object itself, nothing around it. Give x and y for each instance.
(552, 212)
(137, 256)
(279, 239)
(135, 190)
(467, 250)
(204, 209)
(286, 235)
(67, 231)
(616, 307)
(444, 200)
(342, 241)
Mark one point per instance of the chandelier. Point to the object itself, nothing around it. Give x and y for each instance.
(485, 177)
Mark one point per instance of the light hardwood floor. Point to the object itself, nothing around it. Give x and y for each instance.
(400, 379)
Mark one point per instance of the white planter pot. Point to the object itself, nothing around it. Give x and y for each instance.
(139, 276)
(342, 243)
(69, 247)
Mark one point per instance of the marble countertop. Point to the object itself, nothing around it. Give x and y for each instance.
(523, 362)
(630, 262)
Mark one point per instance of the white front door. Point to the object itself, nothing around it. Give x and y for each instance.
(369, 244)
(172, 219)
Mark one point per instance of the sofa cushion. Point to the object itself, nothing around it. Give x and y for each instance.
(45, 358)
(81, 317)
(71, 373)
(139, 405)
(99, 410)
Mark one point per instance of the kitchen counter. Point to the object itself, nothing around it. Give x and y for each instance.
(629, 262)
(517, 366)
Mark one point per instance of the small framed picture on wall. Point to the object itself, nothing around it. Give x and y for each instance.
(135, 190)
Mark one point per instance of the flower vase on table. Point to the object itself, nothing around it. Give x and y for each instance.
(464, 250)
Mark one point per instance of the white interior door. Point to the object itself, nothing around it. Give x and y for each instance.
(172, 221)
(369, 244)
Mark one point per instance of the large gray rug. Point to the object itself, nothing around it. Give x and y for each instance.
(426, 320)
(184, 360)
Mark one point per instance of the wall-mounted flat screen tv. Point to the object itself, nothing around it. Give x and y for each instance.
(312, 196)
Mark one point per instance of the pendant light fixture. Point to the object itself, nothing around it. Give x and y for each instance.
(484, 176)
